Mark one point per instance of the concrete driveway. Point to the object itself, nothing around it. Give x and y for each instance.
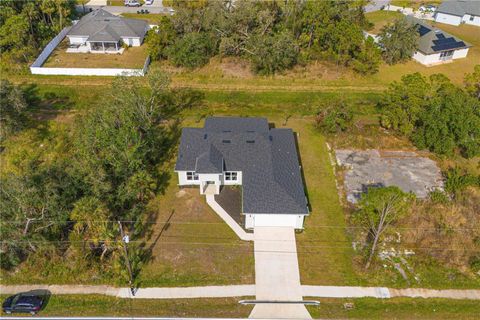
(277, 276)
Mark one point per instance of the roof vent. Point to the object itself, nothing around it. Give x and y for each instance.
(251, 131)
(226, 131)
(250, 141)
(226, 141)
(270, 138)
(205, 136)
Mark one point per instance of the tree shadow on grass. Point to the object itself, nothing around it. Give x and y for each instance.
(46, 106)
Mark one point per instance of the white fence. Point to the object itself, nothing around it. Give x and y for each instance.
(49, 48)
(36, 67)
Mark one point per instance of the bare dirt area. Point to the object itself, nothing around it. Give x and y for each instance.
(236, 68)
(191, 245)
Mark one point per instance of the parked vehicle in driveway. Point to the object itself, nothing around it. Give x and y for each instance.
(132, 3)
(148, 2)
(23, 303)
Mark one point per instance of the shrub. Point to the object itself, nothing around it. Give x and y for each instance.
(192, 51)
(457, 180)
(438, 196)
(334, 119)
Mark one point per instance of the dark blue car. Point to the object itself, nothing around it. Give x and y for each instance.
(23, 303)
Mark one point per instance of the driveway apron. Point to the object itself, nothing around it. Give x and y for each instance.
(277, 276)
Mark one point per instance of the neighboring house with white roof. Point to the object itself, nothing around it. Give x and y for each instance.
(456, 12)
(436, 46)
(102, 32)
(248, 153)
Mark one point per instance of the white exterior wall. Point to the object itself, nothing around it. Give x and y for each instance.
(134, 42)
(274, 220)
(182, 179)
(448, 19)
(77, 39)
(426, 59)
(87, 71)
(462, 53)
(220, 179)
(475, 22)
(233, 183)
(204, 177)
(435, 58)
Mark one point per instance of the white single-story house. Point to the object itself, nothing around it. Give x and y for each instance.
(456, 12)
(102, 32)
(246, 152)
(436, 46)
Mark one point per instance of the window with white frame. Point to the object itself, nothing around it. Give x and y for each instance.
(472, 18)
(230, 176)
(192, 176)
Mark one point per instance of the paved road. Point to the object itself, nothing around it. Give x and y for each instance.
(376, 5)
(154, 8)
(277, 276)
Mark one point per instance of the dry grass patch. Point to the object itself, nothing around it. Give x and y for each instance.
(381, 18)
(191, 245)
(131, 58)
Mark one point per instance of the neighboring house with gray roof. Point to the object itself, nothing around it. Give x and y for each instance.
(102, 32)
(456, 12)
(436, 46)
(248, 153)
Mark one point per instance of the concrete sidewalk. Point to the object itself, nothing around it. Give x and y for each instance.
(247, 290)
(190, 292)
(242, 234)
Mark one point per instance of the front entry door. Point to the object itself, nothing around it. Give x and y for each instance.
(209, 187)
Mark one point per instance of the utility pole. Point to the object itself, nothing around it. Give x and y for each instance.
(125, 240)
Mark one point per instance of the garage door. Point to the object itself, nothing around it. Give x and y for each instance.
(276, 220)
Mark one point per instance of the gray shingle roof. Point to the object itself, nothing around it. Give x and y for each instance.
(100, 25)
(268, 159)
(433, 40)
(460, 7)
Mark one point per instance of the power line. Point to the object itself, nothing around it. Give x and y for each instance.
(237, 244)
(215, 223)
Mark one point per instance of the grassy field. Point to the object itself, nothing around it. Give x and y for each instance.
(152, 18)
(364, 308)
(131, 58)
(397, 308)
(98, 305)
(381, 18)
(414, 3)
(194, 243)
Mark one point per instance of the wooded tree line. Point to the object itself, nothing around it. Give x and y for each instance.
(68, 197)
(434, 113)
(26, 26)
(273, 35)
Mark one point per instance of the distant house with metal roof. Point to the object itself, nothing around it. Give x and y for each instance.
(102, 32)
(436, 46)
(248, 153)
(456, 12)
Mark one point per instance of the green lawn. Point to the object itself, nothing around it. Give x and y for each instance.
(363, 308)
(99, 305)
(381, 18)
(414, 3)
(396, 308)
(152, 18)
